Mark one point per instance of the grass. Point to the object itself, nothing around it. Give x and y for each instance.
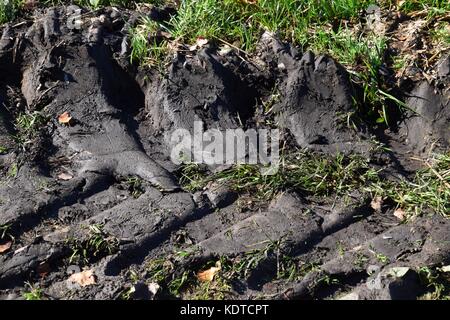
(430, 188)
(242, 23)
(311, 24)
(304, 172)
(28, 125)
(159, 269)
(96, 4)
(9, 10)
(237, 268)
(176, 280)
(382, 258)
(233, 20)
(441, 34)
(134, 185)
(164, 272)
(242, 266)
(34, 293)
(321, 25)
(432, 7)
(360, 260)
(363, 55)
(192, 176)
(98, 243)
(218, 289)
(5, 231)
(13, 171)
(319, 175)
(145, 47)
(29, 122)
(348, 47)
(437, 282)
(398, 63)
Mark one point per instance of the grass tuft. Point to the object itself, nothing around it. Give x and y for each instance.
(145, 45)
(34, 293)
(99, 243)
(430, 188)
(28, 125)
(9, 10)
(306, 172)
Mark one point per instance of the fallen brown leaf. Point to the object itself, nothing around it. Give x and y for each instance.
(64, 118)
(43, 269)
(400, 214)
(208, 275)
(5, 247)
(83, 278)
(65, 176)
(199, 43)
(376, 203)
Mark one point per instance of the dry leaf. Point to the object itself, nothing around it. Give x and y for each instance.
(64, 118)
(400, 214)
(445, 269)
(5, 247)
(43, 269)
(208, 275)
(65, 176)
(83, 278)
(163, 34)
(226, 49)
(153, 288)
(376, 203)
(201, 42)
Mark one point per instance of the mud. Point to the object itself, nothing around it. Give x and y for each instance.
(122, 120)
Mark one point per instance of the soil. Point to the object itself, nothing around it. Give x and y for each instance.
(122, 118)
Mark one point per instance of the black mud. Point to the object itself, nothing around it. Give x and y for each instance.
(122, 118)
